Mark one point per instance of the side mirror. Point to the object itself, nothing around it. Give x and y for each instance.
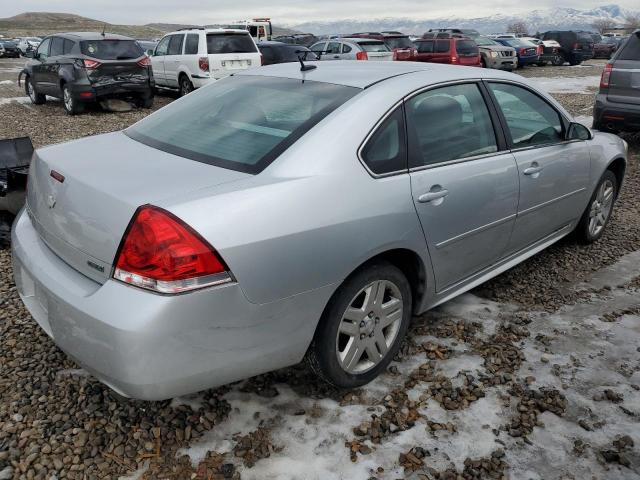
(577, 131)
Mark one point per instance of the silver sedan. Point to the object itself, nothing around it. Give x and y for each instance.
(290, 212)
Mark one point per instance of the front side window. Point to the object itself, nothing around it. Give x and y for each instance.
(449, 123)
(530, 119)
(162, 47)
(175, 45)
(318, 47)
(333, 48)
(242, 122)
(43, 49)
(191, 45)
(385, 152)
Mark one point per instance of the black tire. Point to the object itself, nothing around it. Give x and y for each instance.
(542, 64)
(583, 232)
(31, 92)
(145, 102)
(558, 61)
(185, 86)
(324, 350)
(71, 104)
(484, 63)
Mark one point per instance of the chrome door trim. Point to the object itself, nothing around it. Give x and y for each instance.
(549, 202)
(475, 230)
(458, 160)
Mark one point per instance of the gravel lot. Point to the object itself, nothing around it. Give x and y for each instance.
(535, 375)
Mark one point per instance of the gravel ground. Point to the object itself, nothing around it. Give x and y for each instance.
(533, 375)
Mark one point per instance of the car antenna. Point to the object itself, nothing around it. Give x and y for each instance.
(104, 25)
(303, 67)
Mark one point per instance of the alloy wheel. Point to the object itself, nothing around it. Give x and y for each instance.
(186, 87)
(31, 92)
(601, 208)
(68, 100)
(369, 326)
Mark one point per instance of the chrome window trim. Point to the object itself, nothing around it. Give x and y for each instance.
(459, 160)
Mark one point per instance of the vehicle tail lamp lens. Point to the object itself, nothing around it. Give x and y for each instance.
(362, 56)
(203, 64)
(91, 63)
(144, 62)
(160, 252)
(606, 76)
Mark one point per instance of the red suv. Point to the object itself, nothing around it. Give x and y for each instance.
(402, 47)
(453, 50)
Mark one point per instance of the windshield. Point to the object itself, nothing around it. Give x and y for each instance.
(609, 40)
(242, 122)
(373, 46)
(111, 49)
(230, 43)
(485, 41)
(398, 42)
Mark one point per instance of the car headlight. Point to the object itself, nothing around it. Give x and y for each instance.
(494, 54)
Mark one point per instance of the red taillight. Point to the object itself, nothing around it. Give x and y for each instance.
(144, 62)
(91, 63)
(362, 56)
(575, 46)
(454, 59)
(540, 50)
(160, 252)
(606, 76)
(523, 51)
(203, 64)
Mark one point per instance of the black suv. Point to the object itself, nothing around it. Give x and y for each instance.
(575, 47)
(617, 107)
(87, 67)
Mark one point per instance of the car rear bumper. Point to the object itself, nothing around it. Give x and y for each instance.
(154, 347)
(615, 116)
(529, 60)
(96, 92)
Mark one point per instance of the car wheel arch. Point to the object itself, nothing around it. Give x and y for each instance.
(618, 166)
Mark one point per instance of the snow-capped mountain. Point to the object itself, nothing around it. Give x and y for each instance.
(537, 20)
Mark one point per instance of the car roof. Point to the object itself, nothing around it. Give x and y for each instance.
(359, 40)
(91, 36)
(353, 73)
(208, 30)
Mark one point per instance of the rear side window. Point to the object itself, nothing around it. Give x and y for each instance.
(191, 45)
(442, 46)
(449, 123)
(466, 47)
(425, 47)
(230, 43)
(631, 49)
(111, 49)
(243, 122)
(175, 45)
(57, 46)
(345, 48)
(68, 46)
(373, 46)
(531, 120)
(386, 151)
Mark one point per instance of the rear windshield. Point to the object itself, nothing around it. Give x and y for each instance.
(466, 47)
(398, 42)
(373, 46)
(111, 49)
(631, 49)
(242, 122)
(230, 43)
(292, 53)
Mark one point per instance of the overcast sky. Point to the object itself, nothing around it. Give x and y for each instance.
(283, 11)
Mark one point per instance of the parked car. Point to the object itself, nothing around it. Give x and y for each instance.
(86, 67)
(453, 50)
(548, 51)
(9, 49)
(306, 39)
(496, 55)
(402, 47)
(148, 46)
(28, 44)
(184, 253)
(467, 32)
(352, 49)
(575, 47)
(596, 37)
(617, 106)
(279, 52)
(526, 51)
(606, 47)
(191, 58)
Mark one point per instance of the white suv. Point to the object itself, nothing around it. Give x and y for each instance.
(191, 58)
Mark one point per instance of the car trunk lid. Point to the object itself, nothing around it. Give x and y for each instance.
(81, 196)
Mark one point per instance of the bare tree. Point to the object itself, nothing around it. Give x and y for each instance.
(633, 21)
(519, 28)
(603, 24)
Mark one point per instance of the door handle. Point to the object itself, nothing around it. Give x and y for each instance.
(533, 169)
(433, 195)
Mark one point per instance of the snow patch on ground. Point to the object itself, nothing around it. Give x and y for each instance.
(7, 82)
(568, 84)
(21, 100)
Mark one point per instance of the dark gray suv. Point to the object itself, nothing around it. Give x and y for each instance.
(617, 106)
